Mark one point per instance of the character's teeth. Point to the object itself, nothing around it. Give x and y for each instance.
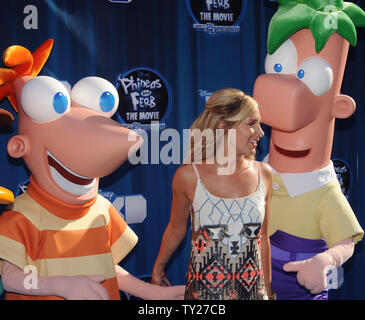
(69, 180)
(67, 169)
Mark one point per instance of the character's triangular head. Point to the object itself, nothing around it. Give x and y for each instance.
(322, 17)
(20, 62)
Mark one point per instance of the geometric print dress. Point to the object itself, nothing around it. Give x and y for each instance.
(225, 256)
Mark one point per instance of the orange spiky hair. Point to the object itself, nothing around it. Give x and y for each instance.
(20, 62)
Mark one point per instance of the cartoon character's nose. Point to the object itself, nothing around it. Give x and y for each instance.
(99, 144)
(285, 102)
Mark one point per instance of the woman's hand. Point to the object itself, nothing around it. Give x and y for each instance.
(159, 278)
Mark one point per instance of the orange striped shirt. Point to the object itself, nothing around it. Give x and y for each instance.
(62, 239)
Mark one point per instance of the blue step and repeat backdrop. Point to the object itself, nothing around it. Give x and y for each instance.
(166, 57)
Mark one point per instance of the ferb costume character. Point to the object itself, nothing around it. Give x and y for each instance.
(61, 228)
(312, 226)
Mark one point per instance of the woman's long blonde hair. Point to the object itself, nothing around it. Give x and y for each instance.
(230, 105)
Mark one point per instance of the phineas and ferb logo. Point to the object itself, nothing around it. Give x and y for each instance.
(144, 98)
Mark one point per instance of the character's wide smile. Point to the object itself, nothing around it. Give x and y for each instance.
(292, 154)
(67, 179)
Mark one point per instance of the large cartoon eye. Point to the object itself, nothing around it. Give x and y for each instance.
(284, 60)
(97, 94)
(45, 99)
(317, 74)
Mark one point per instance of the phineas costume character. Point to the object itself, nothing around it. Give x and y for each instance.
(312, 226)
(61, 228)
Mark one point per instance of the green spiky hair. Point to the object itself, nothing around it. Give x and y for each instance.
(295, 15)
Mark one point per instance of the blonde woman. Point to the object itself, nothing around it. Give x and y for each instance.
(228, 203)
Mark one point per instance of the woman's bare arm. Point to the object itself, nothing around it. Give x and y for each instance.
(176, 229)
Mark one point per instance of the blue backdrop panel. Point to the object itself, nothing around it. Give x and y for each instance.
(108, 39)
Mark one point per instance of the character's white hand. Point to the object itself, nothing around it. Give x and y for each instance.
(312, 272)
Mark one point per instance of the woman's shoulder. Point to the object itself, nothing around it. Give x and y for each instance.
(185, 171)
(185, 175)
(185, 181)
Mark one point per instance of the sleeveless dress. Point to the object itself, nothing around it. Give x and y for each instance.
(225, 256)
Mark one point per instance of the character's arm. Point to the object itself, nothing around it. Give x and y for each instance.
(71, 287)
(340, 229)
(265, 240)
(130, 284)
(312, 272)
(176, 229)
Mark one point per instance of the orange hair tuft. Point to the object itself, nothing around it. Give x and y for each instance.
(21, 62)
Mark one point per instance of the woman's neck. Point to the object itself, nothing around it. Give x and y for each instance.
(233, 165)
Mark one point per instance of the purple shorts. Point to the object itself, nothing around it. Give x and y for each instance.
(286, 248)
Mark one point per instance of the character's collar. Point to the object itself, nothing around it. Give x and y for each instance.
(56, 206)
(299, 183)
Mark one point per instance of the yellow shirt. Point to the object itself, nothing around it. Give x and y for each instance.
(320, 213)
